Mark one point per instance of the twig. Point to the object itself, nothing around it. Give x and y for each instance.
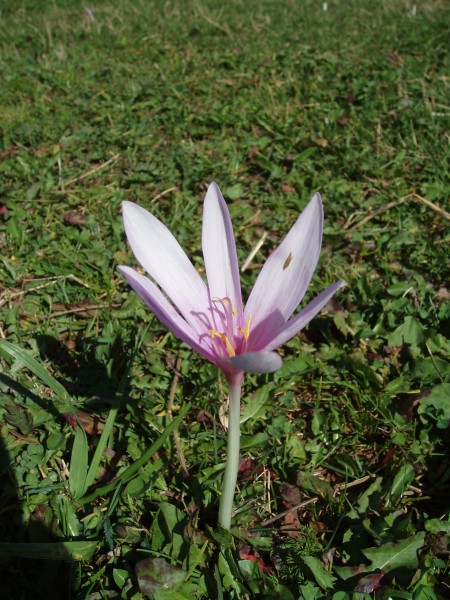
(289, 510)
(221, 27)
(394, 203)
(345, 486)
(380, 211)
(92, 171)
(176, 435)
(431, 205)
(172, 189)
(5, 297)
(337, 490)
(69, 311)
(253, 253)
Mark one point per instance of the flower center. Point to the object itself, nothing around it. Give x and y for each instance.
(232, 336)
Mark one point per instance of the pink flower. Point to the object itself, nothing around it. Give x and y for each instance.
(211, 317)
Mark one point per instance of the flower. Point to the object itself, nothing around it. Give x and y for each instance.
(211, 317)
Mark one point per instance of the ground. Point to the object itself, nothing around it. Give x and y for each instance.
(113, 431)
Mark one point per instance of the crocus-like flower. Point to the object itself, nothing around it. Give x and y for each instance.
(211, 317)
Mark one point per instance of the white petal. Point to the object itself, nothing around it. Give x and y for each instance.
(297, 323)
(165, 261)
(255, 362)
(165, 312)
(286, 275)
(219, 249)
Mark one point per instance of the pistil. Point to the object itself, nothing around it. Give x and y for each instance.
(228, 332)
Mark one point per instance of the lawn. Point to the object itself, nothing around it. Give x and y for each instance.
(113, 431)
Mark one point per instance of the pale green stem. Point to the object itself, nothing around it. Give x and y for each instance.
(232, 464)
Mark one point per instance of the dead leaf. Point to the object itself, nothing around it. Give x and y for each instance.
(74, 218)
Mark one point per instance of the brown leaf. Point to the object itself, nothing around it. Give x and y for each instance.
(343, 119)
(41, 151)
(370, 583)
(395, 58)
(291, 525)
(290, 493)
(8, 151)
(248, 553)
(322, 142)
(249, 467)
(74, 218)
(91, 424)
(287, 188)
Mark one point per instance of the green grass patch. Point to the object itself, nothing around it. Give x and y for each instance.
(344, 478)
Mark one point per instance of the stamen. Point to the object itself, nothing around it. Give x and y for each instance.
(228, 329)
(213, 333)
(246, 331)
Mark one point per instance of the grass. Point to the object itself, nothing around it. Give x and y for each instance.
(102, 410)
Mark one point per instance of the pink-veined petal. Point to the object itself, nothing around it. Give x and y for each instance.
(255, 362)
(165, 261)
(219, 250)
(166, 313)
(286, 275)
(297, 323)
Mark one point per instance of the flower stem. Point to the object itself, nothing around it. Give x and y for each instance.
(232, 464)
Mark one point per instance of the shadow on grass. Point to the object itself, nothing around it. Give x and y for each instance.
(37, 559)
(32, 563)
(81, 370)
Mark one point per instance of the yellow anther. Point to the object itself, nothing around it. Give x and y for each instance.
(246, 331)
(230, 348)
(213, 333)
(226, 301)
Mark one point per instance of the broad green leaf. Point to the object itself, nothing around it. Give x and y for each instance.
(309, 591)
(424, 592)
(167, 530)
(400, 484)
(154, 574)
(280, 592)
(371, 496)
(437, 526)
(311, 483)
(184, 592)
(230, 574)
(348, 572)
(50, 550)
(234, 192)
(78, 463)
(255, 406)
(437, 405)
(395, 554)
(305, 154)
(68, 520)
(439, 344)
(248, 568)
(410, 333)
(120, 577)
(320, 574)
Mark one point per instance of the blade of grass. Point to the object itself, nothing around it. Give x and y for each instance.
(79, 456)
(78, 463)
(50, 550)
(131, 471)
(41, 373)
(95, 463)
